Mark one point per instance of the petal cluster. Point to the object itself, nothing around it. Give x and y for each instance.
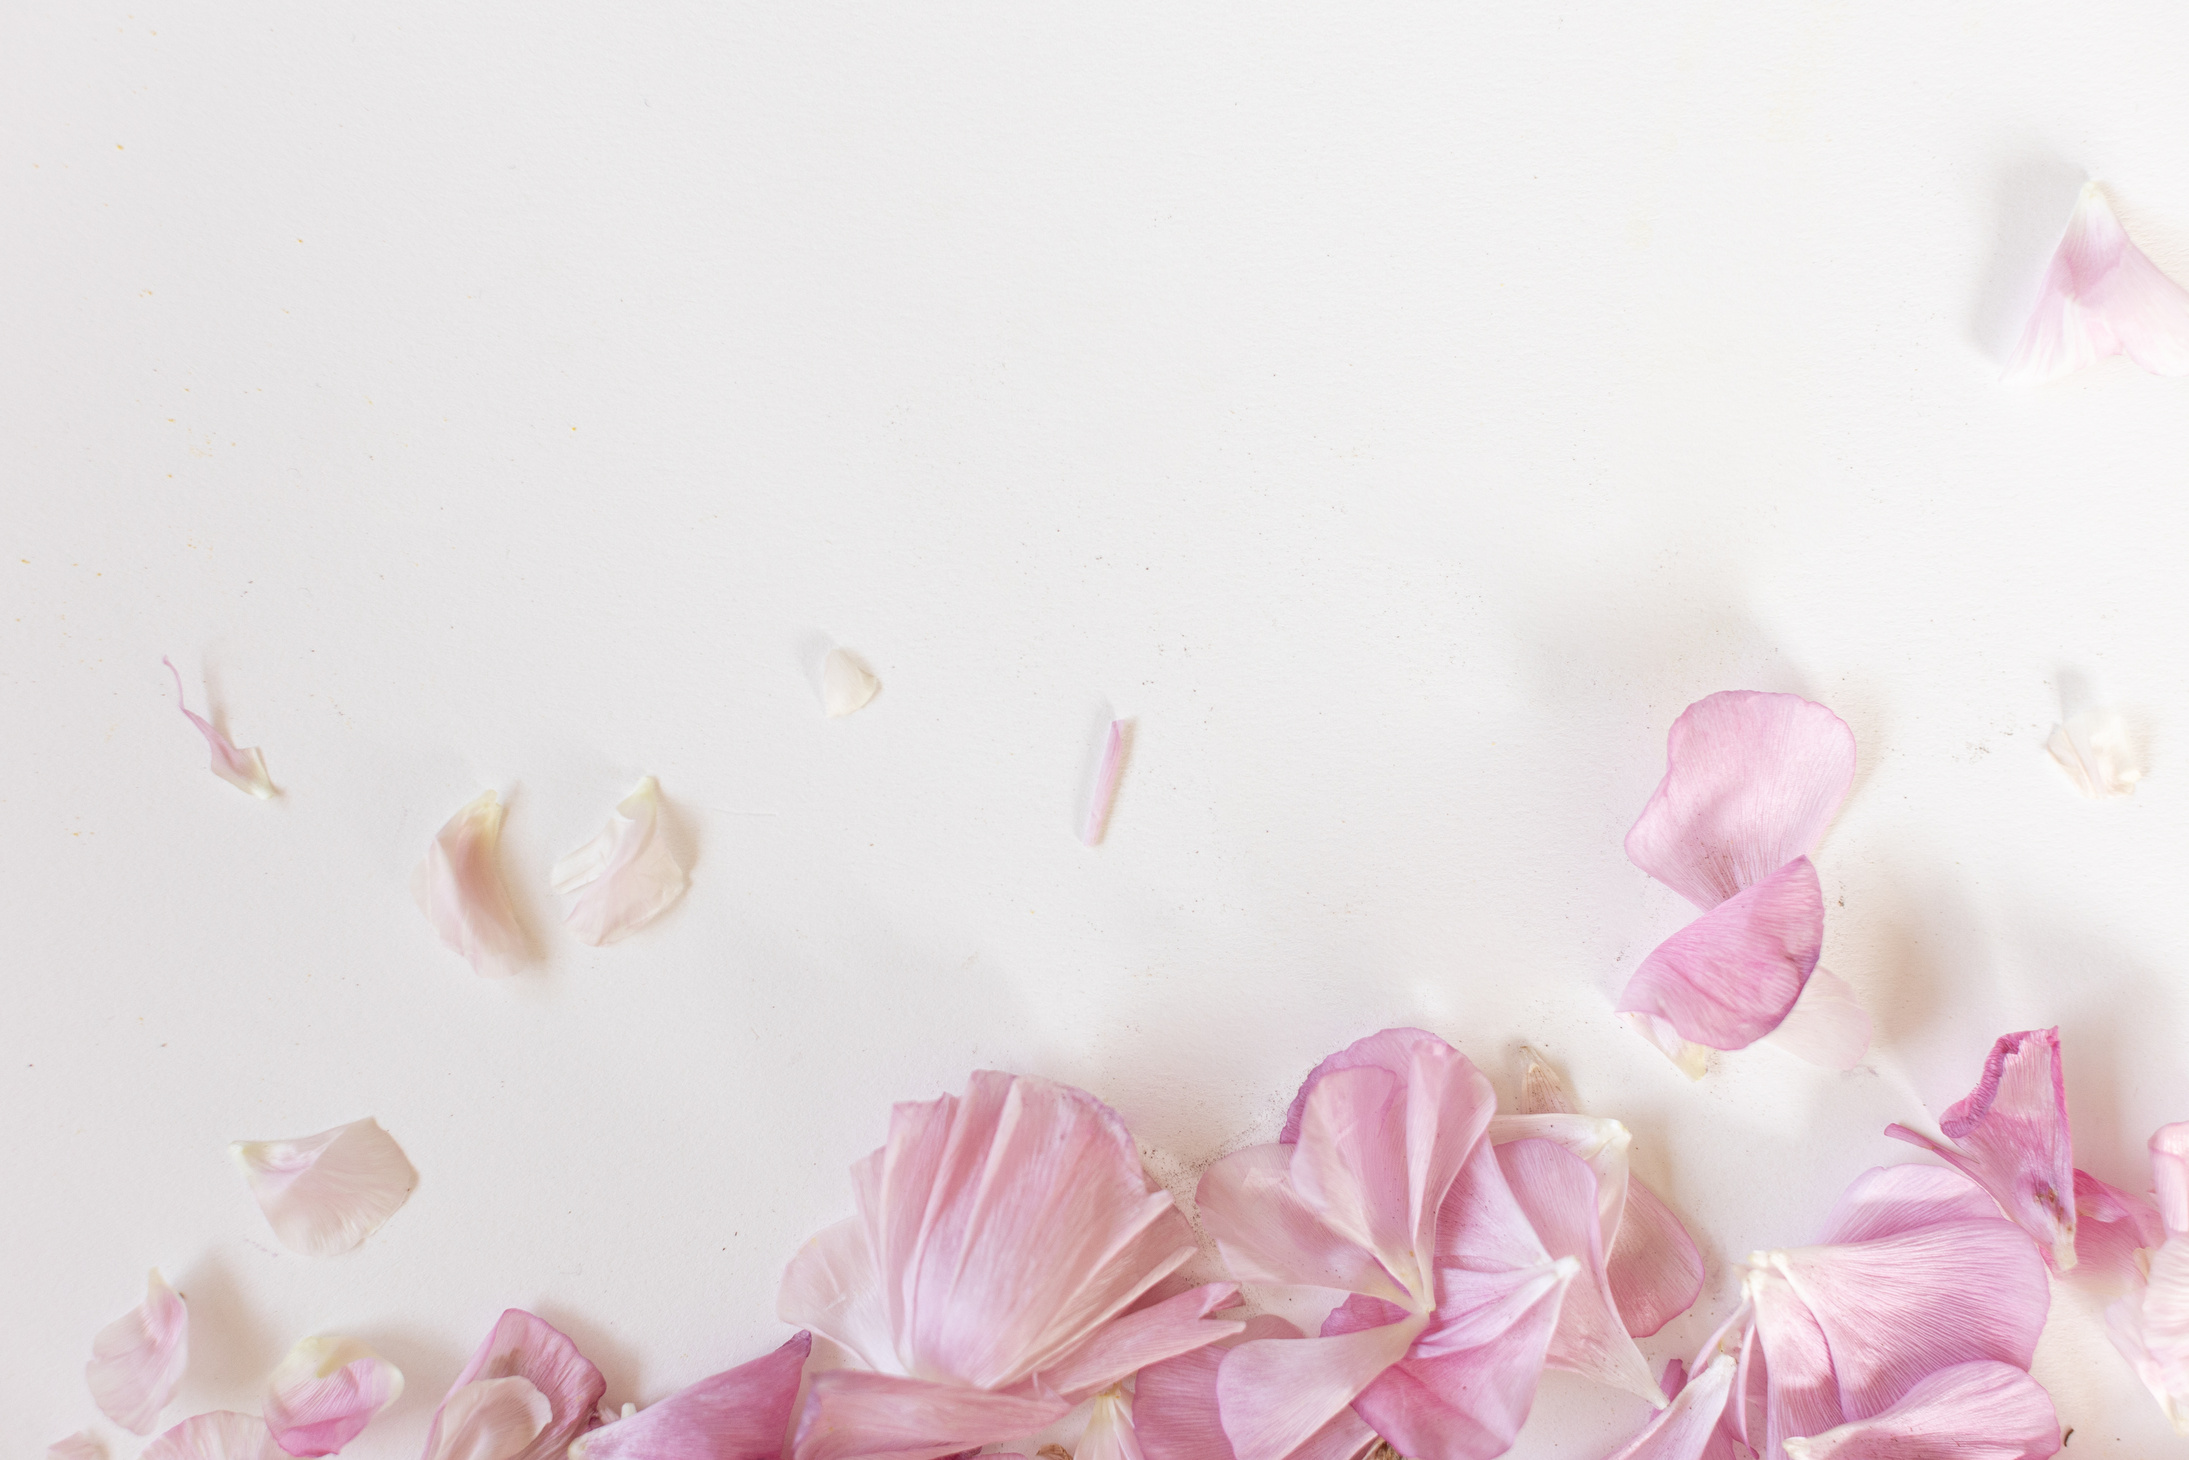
(324, 1194)
(2101, 296)
(138, 1359)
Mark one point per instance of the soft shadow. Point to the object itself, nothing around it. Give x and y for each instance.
(1915, 953)
(2031, 201)
(232, 1348)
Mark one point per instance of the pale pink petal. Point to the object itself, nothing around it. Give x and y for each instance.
(1690, 1058)
(2170, 1175)
(1558, 1193)
(2098, 753)
(2151, 1329)
(460, 890)
(1801, 1393)
(741, 1414)
(1976, 1411)
(2011, 1137)
(325, 1392)
(489, 1419)
(625, 877)
(1468, 1404)
(221, 1435)
(1603, 1144)
(524, 1347)
(1729, 978)
(243, 769)
(2111, 1227)
(1542, 1092)
(138, 1359)
(326, 1193)
(1827, 1025)
(1276, 1393)
(1684, 1428)
(1176, 1416)
(846, 685)
(1268, 1234)
(1751, 782)
(1115, 746)
(1894, 1201)
(83, 1445)
(1655, 1270)
(2101, 296)
(831, 1287)
(1147, 1335)
(1109, 1434)
(849, 1412)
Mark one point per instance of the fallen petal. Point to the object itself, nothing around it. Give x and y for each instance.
(850, 1413)
(1147, 1335)
(325, 1392)
(1682, 1430)
(83, 1445)
(1826, 1026)
(2097, 752)
(2170, 1175)
(1656, 1272)
(1893, 1201)
(741, 1414)
(138, 1359)
(326, 1193)
(1731, 976)
(460, 890)
(1175, 1413)
(1689, 1058)
(846, 686)
(1558, 1193)
(1978, 1411)
(2101, 296)
(2111, 1227)
(625, 877)
(2151, 1329)
(1751, 782)
(488, 1419)
(520, 1346)
(243, 769)
(2010, 1135)
(1105, 786)
(1276, 1393)
(221, 1435)
(1542, 1092)
(1109, 1434)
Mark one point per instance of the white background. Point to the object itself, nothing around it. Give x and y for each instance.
(1401, 413)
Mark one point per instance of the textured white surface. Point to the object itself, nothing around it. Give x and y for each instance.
(1401, 414)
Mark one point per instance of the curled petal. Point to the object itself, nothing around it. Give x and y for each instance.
(625, 877)
(2101, 296)
(1801, 1393)
(2170, 1175)
(741, 1414)
(846, 684)
(489, 1419)
(325, 1392)
(221, 1435)
(1683, 1429)
(138, 1359)
(2098, 753)
(1978, 1411)
(520, 1346)
(326, 1193)
(460, 890)
(2151, 1328)
(2111, 1227)
(1655, 1270)
(1730, 977)
(243, 769)
(1114, 748)
(1558, 1192)
(1827, 1025)
(83, 1445)
(2011, 1136)
(851, 1413)
(1751, 781)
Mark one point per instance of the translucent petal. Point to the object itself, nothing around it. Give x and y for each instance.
(325, 1194)
(243, 769)
(1731, 976)
(520, 1346)
(2151, 1328)
(220, 1435)
(138, 1359)
(1105, 787)
(1827, 1025)
(489, 1419)
(1656, 1272)
(1558, 1192)
(2101, 296)
(460, 890)
(1683, 1429)
(83, 1445)
(2098, 753)
(625, 877)
(1109, 1434)
(1977, 1411)
(741, 1414)
(325, 1392)
(852, 1413)
(846, 685)
(2111, 1227)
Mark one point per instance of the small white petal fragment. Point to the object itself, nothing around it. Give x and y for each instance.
(846, 684)
(243, 769)
(1691, 1058)
(460, 890)
(491, 1419)
(324, 1194)
(221, 1435)
(625, 877)
(1115, 746)
(138, 1359)
(325, 1393)
(2098, 753)
(83, 1445)
(1827, 1025)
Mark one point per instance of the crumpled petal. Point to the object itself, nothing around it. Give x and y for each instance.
(741, 1414)
(1683, 1429)
(220, 1435)
(1558, 1192)
(325, 1392)
(138, 1359)
(2011, 1136)
(459, 888)
(1751, 782)
(2101, 296)
(489, 1419)
(625, 877)
(519, 1346)
(2111, 1227)
(243, 769)
(1176, 1416)
(1975, 1411)
(83, 1445)
(1105, 786)
(846, 684)
(1731, 976)
(1827, 1025)
(326, 1193)
(2097, 752)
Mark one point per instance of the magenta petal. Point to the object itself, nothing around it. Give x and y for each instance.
(2011, 1137)
(1975, 1411)
(2101, 296)
(1558, 1192)
(325, 1392)
(138, 1359)
(740, 1414)
(1751, 781)
(1655, 1270)
(243, 769)
(849, 1412)
(221, 1435)
(1728, 978)
(1683, 1429)
(529, 1348)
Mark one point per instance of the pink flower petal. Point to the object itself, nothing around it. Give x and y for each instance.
(852, 1413)
(326, 1193)
(2101, 296)
(1684, 1429)
(1801, 1393)
(1268, 1234)
(1115, 746)
(1147, 1335)
(459, 888)
(2097, 751)
(1894, 1201)
(1601, 1143)
(138, 1359)
(741, 1414)
(1176, 1414)
(1751, 782)
(325, 1392)
(2111, 1226)
(83, 1445)
(1558, 1193)
(625, 877)
(1655, 1270)
(2011, 1137)
(221, 1435)
(1109, 1434)
(489, 1419)
(2170, 1175)
(1975, 1411)
(524, 1347)
(1275, 1394)
(1827, 1025)
(243, 769)
(1730, 977)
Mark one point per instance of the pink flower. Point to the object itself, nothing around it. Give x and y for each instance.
(1000, 1269)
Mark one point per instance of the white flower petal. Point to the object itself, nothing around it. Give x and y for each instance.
(490, 1419)
(326, 1193)
(846, 685)
(625, 877)
(138, 1359)
(325, 1393)
(1827, 1025)
(2097, 751)
(460, 890)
